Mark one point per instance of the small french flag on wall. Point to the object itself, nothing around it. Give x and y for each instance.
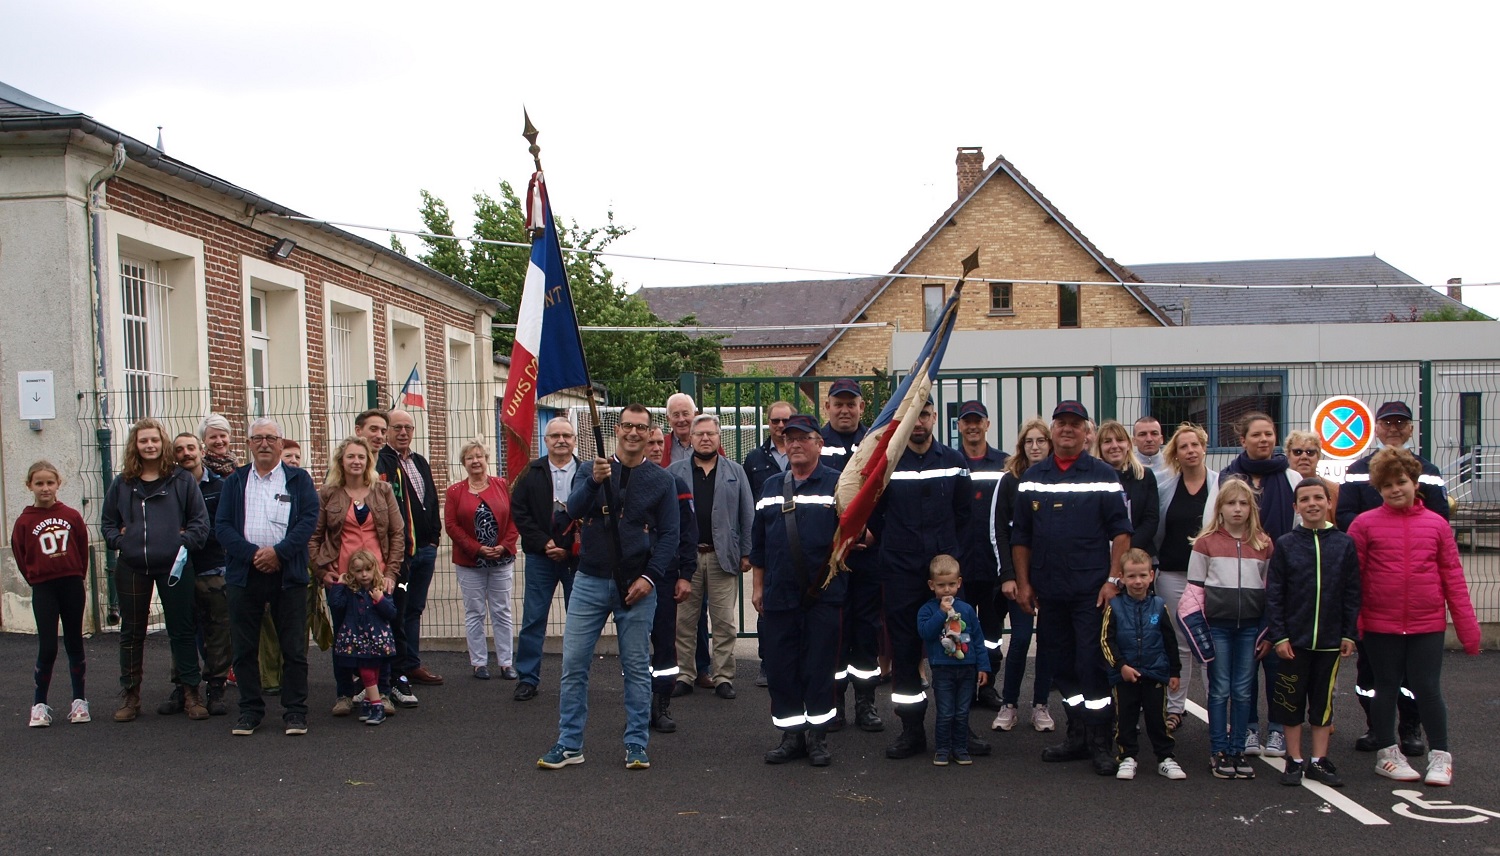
(411, 391)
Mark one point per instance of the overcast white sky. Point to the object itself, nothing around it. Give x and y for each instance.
(823, 134)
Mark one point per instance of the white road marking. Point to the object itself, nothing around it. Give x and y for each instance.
(1329, 795)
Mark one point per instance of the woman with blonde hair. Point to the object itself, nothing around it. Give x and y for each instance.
(1112, 445)
(357, 512)
(477, 517)
(1303, 452)
(1186, 502)
(153, 514)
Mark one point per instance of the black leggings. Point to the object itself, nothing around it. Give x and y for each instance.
(1418, 659)
(50, 601)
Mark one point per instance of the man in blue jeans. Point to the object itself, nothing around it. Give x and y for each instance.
(629, 525)
(410, 478)
(539, 506)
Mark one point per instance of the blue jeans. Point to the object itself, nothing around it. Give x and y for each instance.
(1231, 684)
(953, 691)
(542, 577)
(1022, 626)
(595, 599)
(410, 602)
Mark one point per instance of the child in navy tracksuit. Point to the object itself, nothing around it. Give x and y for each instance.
(1140, 645)
(362, 616)
(956, 653)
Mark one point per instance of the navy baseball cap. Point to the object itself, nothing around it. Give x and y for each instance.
(1070, 408)
(1393, 409)
(973, 408)
(844, 386)
(801, 422)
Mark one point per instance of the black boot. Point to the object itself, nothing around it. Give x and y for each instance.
(215, 699)
(989, 699)
(1367, 743)
(1101, 748)
(661, 713)
(1074, 746)
(978, 747)
(913, 740)
(865, 716)
(793, 746)
(1412, 744)
(173, 704)
(838, 722)
(817, 748)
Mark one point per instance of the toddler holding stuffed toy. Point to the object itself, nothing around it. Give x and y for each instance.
(958, 658)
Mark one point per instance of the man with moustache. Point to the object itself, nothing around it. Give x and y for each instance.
(539, 505)
(981, 567)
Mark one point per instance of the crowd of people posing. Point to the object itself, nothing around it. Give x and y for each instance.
(1117, 549)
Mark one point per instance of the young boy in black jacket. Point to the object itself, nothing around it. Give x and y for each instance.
(1312, 606)
(1140, 645)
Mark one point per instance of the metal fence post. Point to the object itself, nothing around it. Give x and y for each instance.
(1425, 419)
(1106, 395)
(688, 382)
(104, 437)
(372, 394)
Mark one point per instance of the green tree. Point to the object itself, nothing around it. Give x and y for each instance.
(635, 366)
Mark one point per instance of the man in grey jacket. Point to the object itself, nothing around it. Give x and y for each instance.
(725, 513)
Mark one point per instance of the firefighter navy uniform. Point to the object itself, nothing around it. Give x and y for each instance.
(664, 668)
(924, 512)
(980, 564)
(1069, 518)
(800, 635)
(859, 644)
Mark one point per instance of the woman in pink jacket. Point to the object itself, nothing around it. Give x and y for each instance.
(1410, 577)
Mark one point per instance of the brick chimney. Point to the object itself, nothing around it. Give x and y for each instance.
(1455, 289)
(970, 168)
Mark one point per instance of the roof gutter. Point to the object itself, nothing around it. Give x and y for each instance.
(154, 158)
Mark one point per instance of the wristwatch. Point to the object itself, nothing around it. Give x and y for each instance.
(1117, 583)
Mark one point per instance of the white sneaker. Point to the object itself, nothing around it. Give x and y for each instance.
(41, 715)
(1275, 745)
(78, 713)
(1126, 770)
(1439, 768)
(1041, 718)
(1171, 769)
(1389, 762)
(1252, 742)
(1006, 719)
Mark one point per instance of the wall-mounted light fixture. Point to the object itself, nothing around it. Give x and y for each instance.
(282, 248)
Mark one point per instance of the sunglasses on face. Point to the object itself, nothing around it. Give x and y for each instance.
(1304, 453)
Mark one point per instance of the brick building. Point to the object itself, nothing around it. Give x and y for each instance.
(147, 286)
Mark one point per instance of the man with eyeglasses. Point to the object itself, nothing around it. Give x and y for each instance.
(725, 510)
(539, 504)
(410, 477)
(1393, 427)
(629, 536)
(267, 513)
(764, 461)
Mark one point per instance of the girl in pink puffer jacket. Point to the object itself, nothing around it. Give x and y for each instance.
(1410, 577)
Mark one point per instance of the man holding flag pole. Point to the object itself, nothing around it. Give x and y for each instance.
(626, 507)
(935, 487)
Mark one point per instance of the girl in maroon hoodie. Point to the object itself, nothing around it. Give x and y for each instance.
(51, 546)
(1410, 578)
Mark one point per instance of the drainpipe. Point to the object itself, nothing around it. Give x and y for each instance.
(97, 205)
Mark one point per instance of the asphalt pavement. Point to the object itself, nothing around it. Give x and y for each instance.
(458, 774)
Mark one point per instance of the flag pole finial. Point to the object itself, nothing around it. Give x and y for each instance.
(530, 133)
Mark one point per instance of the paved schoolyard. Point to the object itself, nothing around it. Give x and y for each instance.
(459, 774)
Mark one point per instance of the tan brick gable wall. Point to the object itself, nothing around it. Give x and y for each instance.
(225, 242)
(1016, 237)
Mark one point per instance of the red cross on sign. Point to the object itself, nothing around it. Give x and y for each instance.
(1344, 426)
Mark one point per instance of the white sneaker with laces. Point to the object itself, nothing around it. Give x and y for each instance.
(1006, 719)
(1252, 742)
(41, 715)
(1041, 718)
(1275, 745)
(1439, 768)
(1126, 770)
(79, 712)
(1171, 769)
(1389, 762)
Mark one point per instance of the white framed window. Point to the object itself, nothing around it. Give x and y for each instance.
(258, 368)
(406, 349)
(349, 357)
(146, 327)
(466, 399)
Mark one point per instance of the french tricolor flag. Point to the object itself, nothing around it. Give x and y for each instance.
(548, 352)
(411, 391)
(866, 475)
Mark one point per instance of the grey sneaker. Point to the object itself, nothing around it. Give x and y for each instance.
(1252, 742)
(1275, 745)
